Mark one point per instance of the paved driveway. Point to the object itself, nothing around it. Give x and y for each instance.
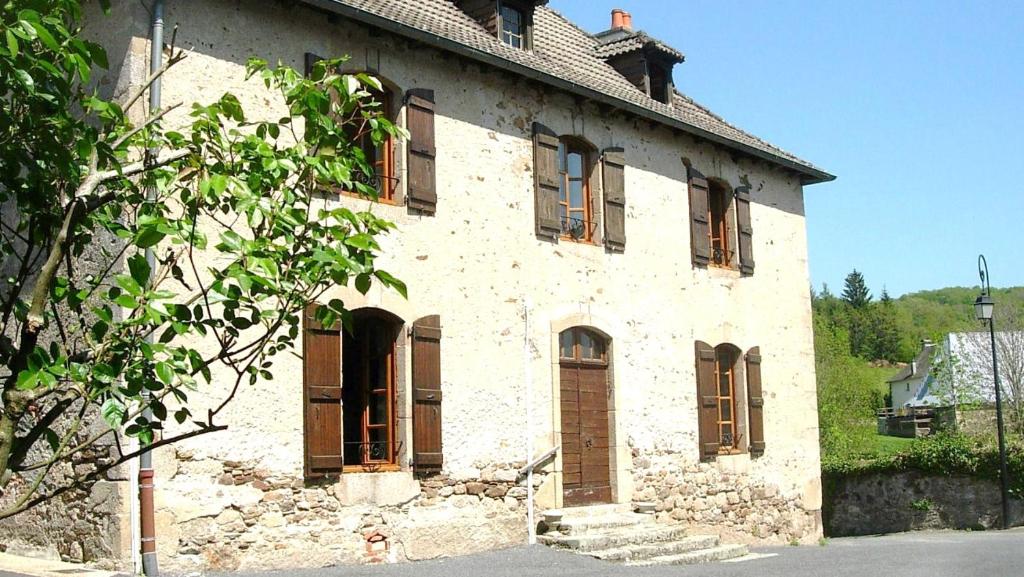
(923, 554)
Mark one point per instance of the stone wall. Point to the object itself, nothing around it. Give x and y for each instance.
(82, 525)
(732, 503)
(247, 517)
(910, 501)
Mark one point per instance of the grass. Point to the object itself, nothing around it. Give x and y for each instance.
(883, 446)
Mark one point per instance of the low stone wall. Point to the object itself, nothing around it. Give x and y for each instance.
(890, 503)
(241, 517)
(732, 504)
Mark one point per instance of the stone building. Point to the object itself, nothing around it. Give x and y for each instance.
(579, 240)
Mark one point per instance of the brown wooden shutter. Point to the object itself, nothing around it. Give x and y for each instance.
(546, 181)
(700, 228)
(755, 401)
(614, 176)
(422, 189)
(746, 232)
(707, 400)
(426, 386)
(310, 60)
(321, 376)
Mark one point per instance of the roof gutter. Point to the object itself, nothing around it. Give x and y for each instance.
(809, 175)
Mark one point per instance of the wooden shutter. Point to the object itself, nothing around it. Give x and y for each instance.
(422, 190)
(426, 386)
(707, 400)
(700, 228)
(321, 376)
(614, 177)
(746, 232)
(546, 181)
(309, 60)
(755, 401)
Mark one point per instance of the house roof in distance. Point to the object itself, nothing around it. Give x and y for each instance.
(920, 366)
(566, 57)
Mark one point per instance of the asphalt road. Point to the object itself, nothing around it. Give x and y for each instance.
(922, 554)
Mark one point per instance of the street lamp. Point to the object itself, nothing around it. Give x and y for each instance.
(983, 308)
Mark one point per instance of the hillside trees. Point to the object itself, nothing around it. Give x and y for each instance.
(92, 333)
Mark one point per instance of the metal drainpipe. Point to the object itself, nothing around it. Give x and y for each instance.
(146, 473)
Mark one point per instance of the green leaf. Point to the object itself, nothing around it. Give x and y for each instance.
(165, 372)
(363, 283)
(129, 285)
(126, 302)
(112, 411)
(140, 269)
(27, 379)
(147, 237)
(12, 43)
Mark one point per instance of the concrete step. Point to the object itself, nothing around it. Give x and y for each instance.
(598, 524)
(615, 538)
(719, 553)
(639, 551)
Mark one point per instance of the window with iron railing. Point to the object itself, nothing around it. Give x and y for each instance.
(575, 210)
(380, 157)
(719, 203)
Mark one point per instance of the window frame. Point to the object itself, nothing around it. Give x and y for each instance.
(384, 161)
(577, 349)
(736, 446)
(721, 197)
(566, 147)
(523, 35)
(390, 394)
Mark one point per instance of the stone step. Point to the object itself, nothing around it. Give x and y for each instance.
(569, 513)
(640, 551)
(615, 538)
(719, 553)
(585, 525)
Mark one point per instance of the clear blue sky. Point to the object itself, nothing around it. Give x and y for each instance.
(916, 106)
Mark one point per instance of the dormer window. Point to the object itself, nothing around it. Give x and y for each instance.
(513, 26)
(645, 61)
(510, 21)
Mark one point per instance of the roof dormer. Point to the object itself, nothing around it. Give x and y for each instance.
(511, 21)
(645, 61)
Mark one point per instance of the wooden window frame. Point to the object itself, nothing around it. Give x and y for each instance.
(385, 166)
(577, 348)
(720, 196)
(733, 424)
(525, 10)
(567, 146)
(390, 463)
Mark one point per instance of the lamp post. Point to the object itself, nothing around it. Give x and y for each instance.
(983, 308)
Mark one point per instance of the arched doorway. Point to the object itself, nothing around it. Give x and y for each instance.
(583, 382)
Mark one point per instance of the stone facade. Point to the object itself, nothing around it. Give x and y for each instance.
(237, 498)
(243, 516)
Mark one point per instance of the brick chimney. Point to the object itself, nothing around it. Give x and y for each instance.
(621, 19)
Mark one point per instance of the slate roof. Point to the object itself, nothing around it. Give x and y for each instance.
(564, 56)
(919, 368)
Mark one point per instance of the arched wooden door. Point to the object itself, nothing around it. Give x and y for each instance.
(583, 379)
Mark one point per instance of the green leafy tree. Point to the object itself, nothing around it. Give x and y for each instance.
(855, 290)
(92, 333)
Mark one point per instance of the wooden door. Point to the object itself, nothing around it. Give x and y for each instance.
(586, 475)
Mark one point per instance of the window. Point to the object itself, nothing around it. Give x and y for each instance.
(725, 378)
(379, 157)
(513, 26)
(581, 345)
(574, 192)
(369, 392)
(719, 213)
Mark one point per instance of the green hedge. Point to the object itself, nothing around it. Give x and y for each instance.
(941, 454)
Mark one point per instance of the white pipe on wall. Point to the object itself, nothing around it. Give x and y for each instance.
(528, 379)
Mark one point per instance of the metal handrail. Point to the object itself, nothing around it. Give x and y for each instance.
(536, 462)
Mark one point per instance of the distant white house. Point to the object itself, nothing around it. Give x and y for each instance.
(912, 386)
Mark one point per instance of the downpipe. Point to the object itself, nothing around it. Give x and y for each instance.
(147, 514)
